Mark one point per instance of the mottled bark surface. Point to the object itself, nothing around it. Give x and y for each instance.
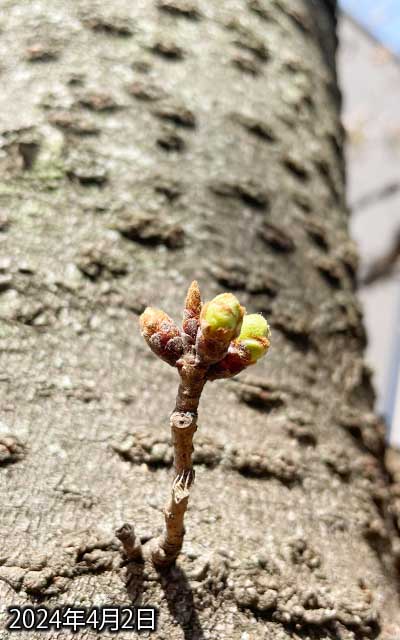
(144, 146)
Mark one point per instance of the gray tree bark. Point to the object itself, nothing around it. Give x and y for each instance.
(145, 145)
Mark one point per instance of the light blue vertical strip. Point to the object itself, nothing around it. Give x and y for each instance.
(381, 18)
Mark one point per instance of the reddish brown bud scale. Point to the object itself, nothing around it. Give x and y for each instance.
(162, 335)
(173, 350)
(151, 320)
(233, 363)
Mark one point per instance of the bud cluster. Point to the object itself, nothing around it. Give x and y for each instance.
(224, 337)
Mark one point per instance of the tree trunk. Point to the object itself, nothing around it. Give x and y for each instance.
(146, 145)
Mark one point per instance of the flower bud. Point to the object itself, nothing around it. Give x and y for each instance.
(220, 323)
(254, 325)
(254, 336)
(191, 314)
(250, 346)
(161, 334)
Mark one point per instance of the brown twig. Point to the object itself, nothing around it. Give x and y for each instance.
(183, 427)
(131, 545)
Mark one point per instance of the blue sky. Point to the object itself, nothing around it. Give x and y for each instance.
(380, 17)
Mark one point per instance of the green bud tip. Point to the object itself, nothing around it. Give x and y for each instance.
(254, 325)
(222, 316)
(256, 348)
(254, 337)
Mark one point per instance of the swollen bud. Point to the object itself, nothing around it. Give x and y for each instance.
(250, 346)
(161, 334)
(254, 336)
(254, 325)
(220, 323)
(221, 319)
(191, 313)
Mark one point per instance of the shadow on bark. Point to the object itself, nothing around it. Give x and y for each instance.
(134, 579)
(177, 592)
(179, 596)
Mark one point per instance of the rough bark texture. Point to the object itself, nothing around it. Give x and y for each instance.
(145, 145)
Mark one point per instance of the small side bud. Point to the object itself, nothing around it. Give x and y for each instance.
(161, 334)
(254, 336)
(220, 322)
(254, 325)
(251, 344)
(191, 313)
